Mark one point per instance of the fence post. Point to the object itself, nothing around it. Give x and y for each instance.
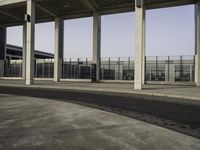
(35, 64)
(145, 68)
(10, 68)
(109, 68)
(129, 68)
(20, 67)
(156, 68)
(70, 68)
(86, 73)
(43, 69)
(64, 69)
(48, 68)
(118, 69)
(78, 69)
(168, 72)
(193, 72)
(181, 68)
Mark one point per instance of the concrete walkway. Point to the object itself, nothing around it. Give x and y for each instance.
(174, 91)
(42, 124)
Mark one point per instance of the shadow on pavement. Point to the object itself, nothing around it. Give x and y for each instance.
(179, 115)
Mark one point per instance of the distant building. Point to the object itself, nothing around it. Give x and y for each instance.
(15, 52)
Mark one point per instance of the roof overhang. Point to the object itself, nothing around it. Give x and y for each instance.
(12, 11)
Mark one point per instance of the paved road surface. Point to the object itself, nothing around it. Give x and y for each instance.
(179, 115)
(28, 123)
(185, 91)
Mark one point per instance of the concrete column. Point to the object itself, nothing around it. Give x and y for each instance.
(197, 44)
(24, 53)
(30, 42)
(2, 50)
(139, 45)
(97, 43)
(59, 46)
(144, 47)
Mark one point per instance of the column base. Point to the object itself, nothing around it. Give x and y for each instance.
(56, 80)
(197, 71)
(29, 82)
(137, 86)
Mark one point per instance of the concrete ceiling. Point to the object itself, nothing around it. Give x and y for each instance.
(47, 10)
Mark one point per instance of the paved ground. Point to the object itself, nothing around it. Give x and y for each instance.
(180, 115)
(175, 91)
(43, 124)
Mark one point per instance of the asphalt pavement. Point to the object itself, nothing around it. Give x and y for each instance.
(29, 123)
(180, 115)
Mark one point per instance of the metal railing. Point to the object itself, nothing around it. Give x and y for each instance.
(168, 69)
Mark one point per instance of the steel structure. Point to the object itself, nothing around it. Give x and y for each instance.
(12, 11)
(29, 12)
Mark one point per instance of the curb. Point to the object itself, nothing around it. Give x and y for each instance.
(103, 90)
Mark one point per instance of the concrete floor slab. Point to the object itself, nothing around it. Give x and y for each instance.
(33, 123)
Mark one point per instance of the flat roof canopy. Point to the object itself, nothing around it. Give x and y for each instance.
(12, 11)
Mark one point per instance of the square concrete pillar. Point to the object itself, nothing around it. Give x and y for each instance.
(30, 42)
(24, 53)
(139, 44)
(59, 46)
(144, 52)
(197, 45)
(2, 50)
(97, 43)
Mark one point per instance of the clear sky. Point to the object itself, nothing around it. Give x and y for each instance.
(169, 31)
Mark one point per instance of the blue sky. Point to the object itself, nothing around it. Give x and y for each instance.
(169, 31)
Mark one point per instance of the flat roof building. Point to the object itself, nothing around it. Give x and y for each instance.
(15, 52)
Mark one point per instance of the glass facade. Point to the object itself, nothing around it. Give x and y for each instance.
(165, 68)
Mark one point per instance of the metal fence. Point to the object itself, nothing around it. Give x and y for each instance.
(76, 68)
(13, 68)
(44, 68)
(167, 69)
(117, 69)
(170, 69)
